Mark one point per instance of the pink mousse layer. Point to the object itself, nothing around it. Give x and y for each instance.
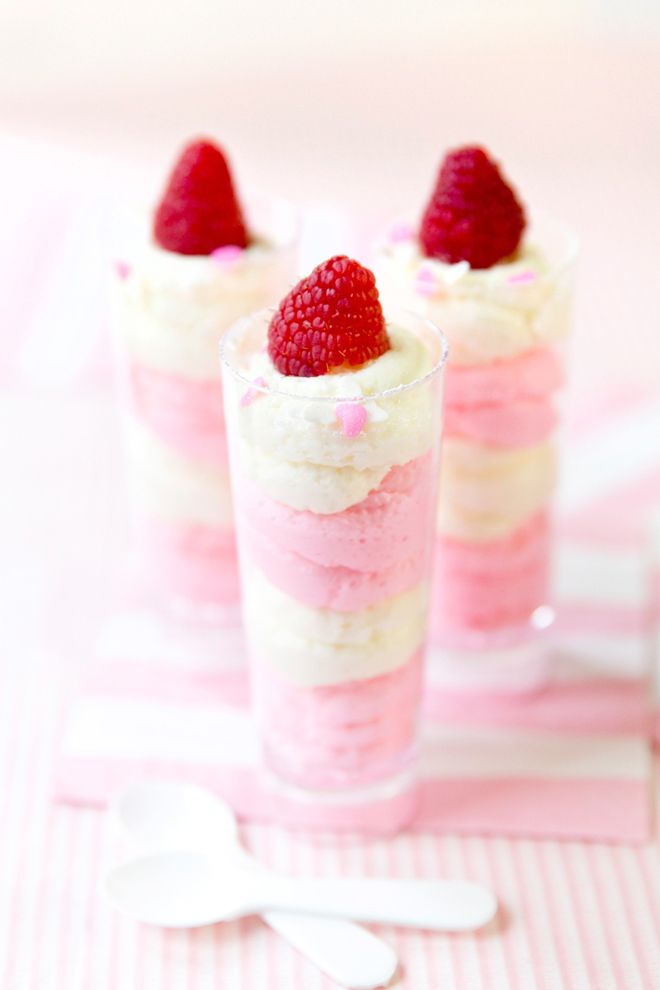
(184, 412)
(343, 735)
(351, 559)
(516, 424)
(533, 375)
(493, 584)
(192, 562)
(504, 403)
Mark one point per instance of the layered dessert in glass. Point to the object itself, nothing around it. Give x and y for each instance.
(334, 421)
(500, 287)
(203, 263)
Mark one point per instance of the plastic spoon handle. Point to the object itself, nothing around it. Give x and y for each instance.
(348, 954)
(440, 905)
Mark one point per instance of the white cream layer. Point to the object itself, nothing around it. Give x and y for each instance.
(315, 647)
(173, 487)
(172, 309)
(486, 493)
(486, 314)
(294, 448)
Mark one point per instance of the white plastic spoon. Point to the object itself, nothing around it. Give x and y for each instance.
(188, 890)
(159, 816)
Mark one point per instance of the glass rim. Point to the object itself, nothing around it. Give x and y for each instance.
(395, 390)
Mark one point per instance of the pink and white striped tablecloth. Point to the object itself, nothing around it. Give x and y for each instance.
(576, 915)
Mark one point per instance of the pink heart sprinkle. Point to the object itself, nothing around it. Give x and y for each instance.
(352, 416)
(400, 232)
(425, 282)
(123, 269)
(521, 277)
(227, 254)
(253, 392)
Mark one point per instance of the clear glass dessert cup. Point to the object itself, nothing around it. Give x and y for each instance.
(492, 607)
(335, 493)
(171, 312)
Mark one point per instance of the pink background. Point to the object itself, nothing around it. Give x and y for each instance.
(352, 105)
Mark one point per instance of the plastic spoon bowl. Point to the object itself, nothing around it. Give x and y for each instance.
(160, 816)
(163, 815)
(188, 890)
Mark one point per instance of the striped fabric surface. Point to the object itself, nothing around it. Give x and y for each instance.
(576, 916)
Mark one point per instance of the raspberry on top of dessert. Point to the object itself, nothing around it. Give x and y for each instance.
(473, 214)
(330, 321)
(199, 211)
(326, 394)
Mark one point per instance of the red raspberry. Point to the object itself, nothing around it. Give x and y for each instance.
(473, 214)
(330, 320)
(199, 211)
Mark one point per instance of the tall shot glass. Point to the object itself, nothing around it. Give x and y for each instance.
(335, 494)
(492, 605)
(171, 313)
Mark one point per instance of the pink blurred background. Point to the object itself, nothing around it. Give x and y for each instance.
(347, 108)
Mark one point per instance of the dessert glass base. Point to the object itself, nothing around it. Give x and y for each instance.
(517, 660)
(383, 807)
